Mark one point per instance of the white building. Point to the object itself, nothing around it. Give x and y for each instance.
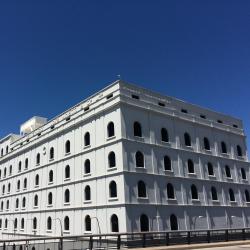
(126, 159)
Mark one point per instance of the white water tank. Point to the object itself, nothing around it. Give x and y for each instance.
(32, 124)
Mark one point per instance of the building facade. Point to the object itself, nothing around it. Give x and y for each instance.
(125, 160)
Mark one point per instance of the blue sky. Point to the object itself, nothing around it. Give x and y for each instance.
(53, 54)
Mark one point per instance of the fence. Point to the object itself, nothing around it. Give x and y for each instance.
(125, 240)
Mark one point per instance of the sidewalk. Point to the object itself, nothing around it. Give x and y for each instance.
(198, 246)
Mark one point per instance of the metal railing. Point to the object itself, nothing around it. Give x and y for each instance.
(125, 240)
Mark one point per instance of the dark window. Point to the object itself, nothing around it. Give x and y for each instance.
(51, 176)
(34, 223)
(67, 147)
(173, 223)
(24, 202)
(50, 198)
(49, 223)
(135, 97)
(139, 159)
(19, 167)
(51, 153)
(112, 189)
(142, 191)
(235, 126)
(137, 129)
(9, 187)
(164, 135)
(36, 201)
(109, 96)
(87, 139)
(239, 151)
(184, 111)
(187, 140)
(170, 191)
(210, 169)
(190, 166)
(87, 193)
(144, 223)
(194, 193)
(4, 172)
(7, 150)
(111, 129)
(26, 163)
(247, 196)
(223, 147)
(37, 180)
(66, 223)
(111, 159)
(206, 143)
(25, 183)
(17, 203)
(18, 185)
(228, 172)
(214, 194)
(38, 159)
(219, 121)
(15, 223)
(22, 223)
(86, 109)
(87, 166)
(167, 163)
(6, 223)
(231, 195)
(66, 196)
(10, 171)
(243, 174)
(161, 104)
(87, 223)
(203, 116)
(114, 224)
(67, 172)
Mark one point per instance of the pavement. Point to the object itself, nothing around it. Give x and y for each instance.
(230, 245)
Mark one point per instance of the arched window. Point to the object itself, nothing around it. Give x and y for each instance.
(187, 140)
(0, 223)
(231, 195)
(210, 169)
(247, 196)
(17, 203)
(87, 166)
(243, 174)
(7, 204)
(6, 223)
(50, 198)
(9, 188)
(36, 200)
(206, 143)
(112, 160)
(139, 159)
(7, 149)
(170, 191)
(49, 223)
(37, 180)
(114, 224)
(22, 223)
(38, 158)
(66, 196)
(142, 191)
(0, 174)
(228, 172)
(111, 129)
(25, 183)
(67, 147)
(67, 172)
(87, 223)
(223, 147)
(19, 166)
(87, 139)
(26, 163)
(51, 154)
(66, 223)
(137, 129)
(2, 205)
(34, 223)
(194, 193)
(87, 193)
(24, 202)
(214, 194)
(190, 167)
(173, 223)
(144, 223)
(15, 223)
(10, 170)
(3, 189)
(2, 152)
(167, 163)
(112, 189)
(51, 176)
(4, 172)
(18, 185)
(239, 151)
(164, 135)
